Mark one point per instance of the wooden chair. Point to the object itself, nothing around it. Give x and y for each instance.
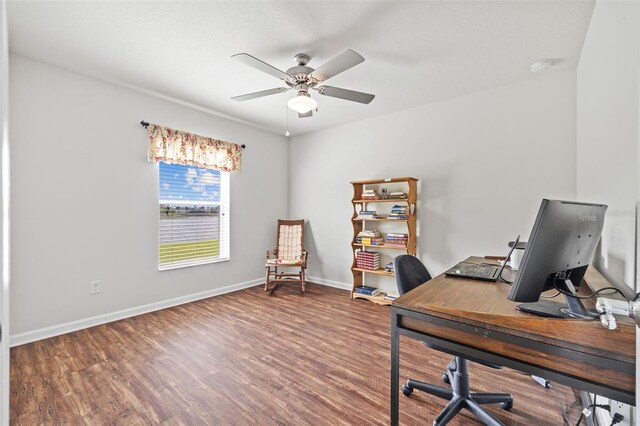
(289, 253)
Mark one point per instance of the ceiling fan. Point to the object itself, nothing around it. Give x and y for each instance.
(302, 78)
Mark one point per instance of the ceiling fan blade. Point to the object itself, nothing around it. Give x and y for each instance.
(306, 114)
(342, 62)
(256, 63)
(260, 94)
(349, 95)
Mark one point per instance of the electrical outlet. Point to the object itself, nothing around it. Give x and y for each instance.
(623, 409)
(95, 287)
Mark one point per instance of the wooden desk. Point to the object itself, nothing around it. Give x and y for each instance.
(475, 319)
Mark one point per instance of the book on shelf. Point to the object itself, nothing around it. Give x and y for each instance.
(369, 237)
(368, 214)
(397, 195)
(388, 267)
(398, 212)
(396, 240)
(367, 291)
(368, 266)
(390, 297)
(367, 259)
(373, 267)
(370, 232)
(370, 194)
(370, 241)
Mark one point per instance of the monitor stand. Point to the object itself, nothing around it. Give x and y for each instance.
(573, 308)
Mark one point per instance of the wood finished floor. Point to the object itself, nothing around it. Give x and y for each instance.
(245, 358)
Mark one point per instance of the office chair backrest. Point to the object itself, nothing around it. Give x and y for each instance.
(410, 272)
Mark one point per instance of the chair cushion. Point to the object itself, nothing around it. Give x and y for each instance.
(290, 241)
(285, 262)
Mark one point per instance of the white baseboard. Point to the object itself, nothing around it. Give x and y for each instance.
(56, 330)
(329, 283)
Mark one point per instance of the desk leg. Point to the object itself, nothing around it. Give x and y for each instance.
(395, 369)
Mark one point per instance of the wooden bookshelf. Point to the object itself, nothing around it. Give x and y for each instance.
(378, 298)
(387, 200)
(379, 220)
(409, 186)
(379, 271)
(380, 246)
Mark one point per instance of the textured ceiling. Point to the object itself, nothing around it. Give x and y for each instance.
(416, 52)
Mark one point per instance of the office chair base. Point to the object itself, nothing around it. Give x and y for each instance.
(446, 379)
(460, 397)
(457, 404)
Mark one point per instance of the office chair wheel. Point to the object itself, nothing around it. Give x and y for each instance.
(406, 390)
(507, 406)
(445, 378)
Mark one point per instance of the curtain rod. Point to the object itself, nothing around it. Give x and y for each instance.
(145, 124)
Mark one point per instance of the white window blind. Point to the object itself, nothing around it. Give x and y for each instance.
(194, 216)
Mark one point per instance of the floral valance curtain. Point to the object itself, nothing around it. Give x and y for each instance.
(175, 146)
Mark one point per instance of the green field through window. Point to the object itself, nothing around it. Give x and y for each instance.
(176, 252)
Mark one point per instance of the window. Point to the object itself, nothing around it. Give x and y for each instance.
(194, 216)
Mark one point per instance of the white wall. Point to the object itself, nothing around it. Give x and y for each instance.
(484, 161)
(84, 199)
(608, 98)
(4, 215)
(607, 130)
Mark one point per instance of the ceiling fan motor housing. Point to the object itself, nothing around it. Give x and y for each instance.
(300, 75)
(302, 59)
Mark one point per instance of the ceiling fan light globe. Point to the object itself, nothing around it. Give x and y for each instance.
(302, 103)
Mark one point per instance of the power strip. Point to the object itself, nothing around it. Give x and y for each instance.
(618, 307)
(605, 418)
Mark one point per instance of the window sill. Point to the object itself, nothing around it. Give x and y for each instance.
(171, 266)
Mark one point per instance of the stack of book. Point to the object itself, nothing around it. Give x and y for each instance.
(398, 212)
(399, 195)
(370, 194)
(368, 214)
(369, 237)
(369, 260)
(396, 240)
(388, 267)
(366, 290)
(390, 297)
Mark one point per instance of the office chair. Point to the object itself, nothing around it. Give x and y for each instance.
(410, 273)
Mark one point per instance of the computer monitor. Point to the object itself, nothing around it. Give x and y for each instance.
(561, 246)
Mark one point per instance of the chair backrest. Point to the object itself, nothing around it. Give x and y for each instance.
(290, 239)
(410, 272)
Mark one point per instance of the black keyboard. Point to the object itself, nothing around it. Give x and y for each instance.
(470, 270)
(481, 271)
